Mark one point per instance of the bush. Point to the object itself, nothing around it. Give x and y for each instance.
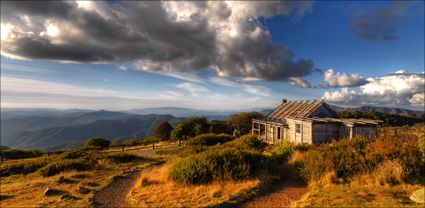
(345, 157)
(403, 148)
(75, 154)
(123, 157)
(208, 139)
(19, 154)
(62, 166)
(247, 141)
(21, 168)
(217, 164)
(97, 142)
(280, 155)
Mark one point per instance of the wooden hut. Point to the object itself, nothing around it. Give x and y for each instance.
(311, 122)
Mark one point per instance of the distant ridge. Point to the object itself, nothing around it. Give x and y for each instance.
(390, 110)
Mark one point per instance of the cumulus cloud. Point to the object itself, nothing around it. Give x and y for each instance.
(381, 23)
(343, 80)
(168, 36)
(403, 88)
(298, 82)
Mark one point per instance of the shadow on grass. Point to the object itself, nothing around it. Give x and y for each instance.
(4, 197)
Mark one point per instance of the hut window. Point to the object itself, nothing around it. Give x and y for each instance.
(298, 128)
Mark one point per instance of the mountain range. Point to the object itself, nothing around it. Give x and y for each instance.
(49, 129)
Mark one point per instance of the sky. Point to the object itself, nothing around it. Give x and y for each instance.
(119, 55)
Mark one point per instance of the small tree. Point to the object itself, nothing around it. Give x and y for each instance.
(190, 128)
(219, 127)
(242, 122)
(162, 131)
(97, 142)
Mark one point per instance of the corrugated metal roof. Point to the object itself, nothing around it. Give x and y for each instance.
(297, 108)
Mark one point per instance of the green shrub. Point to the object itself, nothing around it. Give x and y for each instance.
(62, 166)
(123, 157)
(281, 154)
(97, 142)
(345, 157)
(191, 150)
(19, 154)
(21, 167)
(75, 154)
(208, 139)
(217, 164)
(247, 141)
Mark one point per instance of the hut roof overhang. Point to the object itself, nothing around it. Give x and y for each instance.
(346, 121)
(298, 108)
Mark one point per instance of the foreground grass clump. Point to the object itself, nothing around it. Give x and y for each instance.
(20, 154)
(24, 167)
(64, 165)
(217, 165)
(208, 139)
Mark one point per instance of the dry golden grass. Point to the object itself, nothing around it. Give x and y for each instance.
(390, 172)
(28, 190)
(153, 189)
(359, 194)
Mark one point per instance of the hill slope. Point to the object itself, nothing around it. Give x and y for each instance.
(74, 128)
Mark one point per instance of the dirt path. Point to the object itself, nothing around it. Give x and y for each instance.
(114, 195)
(281, 194)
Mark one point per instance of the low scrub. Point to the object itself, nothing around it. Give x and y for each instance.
(21, 167)
(123, 157)
(403, 148)
(76, 154)
(217, 164)
(208, 139)
(345, 157)
(303, 147)
(280, 155)
(64, 165)
(20, 154)
(247, 141)
(350, 157)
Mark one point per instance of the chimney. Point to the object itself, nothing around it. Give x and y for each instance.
(283, 101)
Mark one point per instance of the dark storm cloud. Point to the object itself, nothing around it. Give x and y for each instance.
(160, 36)
(381, 23)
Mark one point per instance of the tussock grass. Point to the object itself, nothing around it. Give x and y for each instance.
(389, 172)
(64, 165)
(23, 167)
